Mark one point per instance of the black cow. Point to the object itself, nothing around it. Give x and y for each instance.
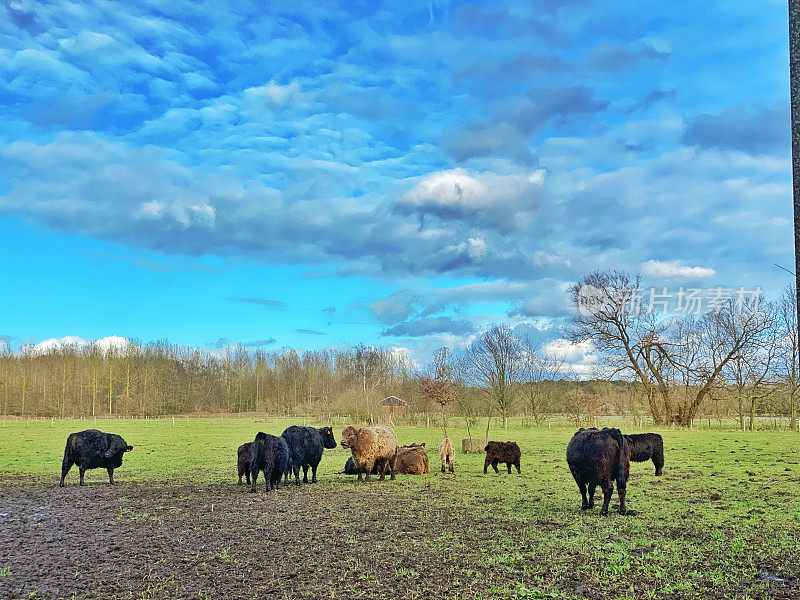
(270, 455)
(502, 452)
(305, 449)
(598, 457)
(350, 468)
(92, 449)
(243, 462)
(647, 446)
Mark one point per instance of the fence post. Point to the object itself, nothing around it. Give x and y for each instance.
(173, 420)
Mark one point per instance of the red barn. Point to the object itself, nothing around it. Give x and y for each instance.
(392, 405)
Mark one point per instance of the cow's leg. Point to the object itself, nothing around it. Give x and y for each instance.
(65, 467)
(253, 478)
(658, 461)
(110, 475)
(240, 478)
(383, 466)
(247, 476)
(368, 471)
(267, 480)
(485, 466)
(313, 473)
(585, 504)
(608, 490)
(621, 489)
(592, 488)
(519, 472)
(81, 471)
(296, 469)
(450, 463)
(508, 466)
(391, 465)
(444, 460)
(305, 473)
(494, 466)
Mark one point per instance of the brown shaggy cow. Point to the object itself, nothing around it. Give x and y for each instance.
(370, 447)
(505, 452)
(412, 460)
(447, 453)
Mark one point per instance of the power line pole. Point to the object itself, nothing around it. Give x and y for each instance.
(794, 86)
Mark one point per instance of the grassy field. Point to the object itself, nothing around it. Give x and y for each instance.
(722, 522)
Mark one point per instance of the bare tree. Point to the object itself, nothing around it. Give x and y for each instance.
(625, 337)
(437, 383)
(788, 354)
(662, 353)
(371, 370)
(698, 351)
(539, 371)
(493, 364)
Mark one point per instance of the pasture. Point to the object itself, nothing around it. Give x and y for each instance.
(722, 522)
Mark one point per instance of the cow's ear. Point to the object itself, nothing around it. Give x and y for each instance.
(128, 448)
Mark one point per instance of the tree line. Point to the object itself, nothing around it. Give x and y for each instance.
(672, 369)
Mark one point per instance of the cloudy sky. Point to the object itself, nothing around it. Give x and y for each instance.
(313, 174)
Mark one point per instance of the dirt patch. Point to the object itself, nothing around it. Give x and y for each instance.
(185, 541)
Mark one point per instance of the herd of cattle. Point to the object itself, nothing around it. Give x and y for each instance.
(596, 457)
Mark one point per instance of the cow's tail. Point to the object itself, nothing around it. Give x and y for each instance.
(622, 451)
(68, 451)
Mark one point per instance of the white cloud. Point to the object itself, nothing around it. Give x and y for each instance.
(112, 342)
(455, 187)
(579, 358)
(273, 95)
(674, 269)
(57, 343)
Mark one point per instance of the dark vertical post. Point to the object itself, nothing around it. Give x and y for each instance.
(794, 86)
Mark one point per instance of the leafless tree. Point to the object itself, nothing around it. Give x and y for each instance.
(437, 382)
(699, 350)
(626, 337)
(539, 370)
(494, 365)
(371, 369)
(788, 355)
(678, 360)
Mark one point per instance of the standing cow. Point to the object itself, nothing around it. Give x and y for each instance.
(243, 462)
(306, 445)
(599, 457)
(371, 447)
(647, 446)
(93, 449)
(502, 452)
(270, 455)
(447, 454)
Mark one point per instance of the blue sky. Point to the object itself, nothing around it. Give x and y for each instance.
(403, 174)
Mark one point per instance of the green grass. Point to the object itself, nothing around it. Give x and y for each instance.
(724, 517)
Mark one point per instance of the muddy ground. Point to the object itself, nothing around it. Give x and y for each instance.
(166, 541)
(335, 539)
